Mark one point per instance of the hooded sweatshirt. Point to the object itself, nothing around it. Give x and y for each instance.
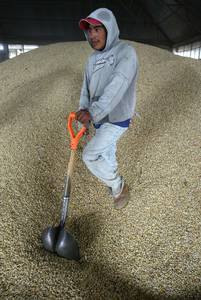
(109, 85)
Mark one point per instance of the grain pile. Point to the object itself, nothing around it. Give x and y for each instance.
(150, 250)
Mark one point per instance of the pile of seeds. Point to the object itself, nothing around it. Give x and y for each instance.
(149, 250)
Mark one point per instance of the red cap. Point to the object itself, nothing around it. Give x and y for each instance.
(84, 23)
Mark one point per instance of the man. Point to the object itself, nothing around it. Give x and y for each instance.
(107, 98)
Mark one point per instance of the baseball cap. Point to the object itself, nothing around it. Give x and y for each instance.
(84, 23)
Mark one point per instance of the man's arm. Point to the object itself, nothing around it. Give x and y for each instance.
(84, 95)
(82, 115)
(120, 80)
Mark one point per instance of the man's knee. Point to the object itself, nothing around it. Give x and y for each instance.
(84, 156)
(88, 157)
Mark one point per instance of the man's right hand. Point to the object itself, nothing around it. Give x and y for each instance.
(83, 116)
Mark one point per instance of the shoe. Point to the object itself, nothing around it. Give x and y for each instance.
(122, 200)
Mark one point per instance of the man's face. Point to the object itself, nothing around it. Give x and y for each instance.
(97, 37)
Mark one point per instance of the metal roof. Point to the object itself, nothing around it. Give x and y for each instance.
(163, 23)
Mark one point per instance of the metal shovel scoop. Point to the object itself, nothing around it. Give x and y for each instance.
(56, 239)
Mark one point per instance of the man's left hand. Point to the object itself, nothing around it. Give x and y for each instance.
(83, 116)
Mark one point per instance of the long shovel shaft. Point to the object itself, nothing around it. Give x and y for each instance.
(67, 189)
(71, 163)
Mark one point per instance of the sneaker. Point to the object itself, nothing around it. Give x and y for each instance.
(122, 200)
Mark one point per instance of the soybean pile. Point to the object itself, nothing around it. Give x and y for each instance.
(149, 250)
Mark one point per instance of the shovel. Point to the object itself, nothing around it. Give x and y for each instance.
(56, 239)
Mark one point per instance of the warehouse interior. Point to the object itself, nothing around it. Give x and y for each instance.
(169, 24)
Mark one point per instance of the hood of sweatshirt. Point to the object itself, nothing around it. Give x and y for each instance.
(106, 17)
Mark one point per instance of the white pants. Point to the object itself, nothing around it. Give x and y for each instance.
(99, 155)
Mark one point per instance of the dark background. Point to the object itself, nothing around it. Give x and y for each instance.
(163, 23)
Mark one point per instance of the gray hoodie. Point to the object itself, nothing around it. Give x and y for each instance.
(108, 90)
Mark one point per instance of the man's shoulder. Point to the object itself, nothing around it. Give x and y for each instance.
(125, 49)
(125, 45)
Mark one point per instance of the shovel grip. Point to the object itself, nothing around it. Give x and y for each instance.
(74, 137)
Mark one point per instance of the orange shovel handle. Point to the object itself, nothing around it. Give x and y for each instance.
(74, 138)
